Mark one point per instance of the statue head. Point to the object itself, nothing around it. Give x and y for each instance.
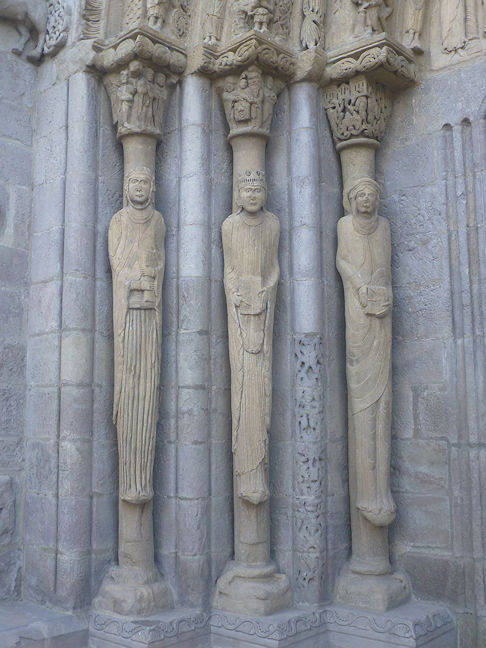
(363, 197)
(135, 69)
(140, 188)
(252, 191)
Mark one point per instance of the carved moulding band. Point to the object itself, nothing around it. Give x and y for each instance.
(420, 627)
(116, 54)
(382, 59)
(252, 49)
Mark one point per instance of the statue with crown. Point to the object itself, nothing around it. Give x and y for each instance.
(251, 272)
(250, 583)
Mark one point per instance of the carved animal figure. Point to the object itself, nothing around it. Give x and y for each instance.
(28, 15)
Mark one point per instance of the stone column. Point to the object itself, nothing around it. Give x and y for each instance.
(138, 69)
(358, 108)
(249, 87)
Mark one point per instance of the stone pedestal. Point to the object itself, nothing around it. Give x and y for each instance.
(412, 625)
(380, 593)
(252, 589)
(182, 628)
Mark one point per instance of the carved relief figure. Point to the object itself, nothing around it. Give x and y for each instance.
(28, 16)
(251, 272)
(364, 263)
(311, 30)
(126, 93)
(416, 10)
(371, 16)
(156, 13)
(136, 249)
(249, 100)
(261, 11)
(452, 20)
(213, 22)
(281, 19)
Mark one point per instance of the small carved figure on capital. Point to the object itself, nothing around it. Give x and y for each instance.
(249, 100)
(371, 17)
(138, 96)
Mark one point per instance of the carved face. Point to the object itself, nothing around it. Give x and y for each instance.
(366, 201)
(252, 198)
(139, 190)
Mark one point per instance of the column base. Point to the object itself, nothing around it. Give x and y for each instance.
(370, 592)
(252, 589)
(133, 592)
(414, 625)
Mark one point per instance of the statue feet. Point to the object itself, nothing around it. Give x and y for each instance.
(252, 590)
(133, 592)
(371, 591)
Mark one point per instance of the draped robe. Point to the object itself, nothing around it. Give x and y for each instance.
(137, 257)
(251, 273)
(364, 260)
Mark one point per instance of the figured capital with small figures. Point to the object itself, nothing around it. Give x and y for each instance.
(249, 99)
(358, 108)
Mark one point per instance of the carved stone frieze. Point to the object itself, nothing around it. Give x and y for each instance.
(312, 30)
(382, 59)
(424, 624)
(252, 49)
(57, 26)
(357, 108)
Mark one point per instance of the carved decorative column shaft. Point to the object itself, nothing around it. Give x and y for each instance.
(358, 105)
(251, 72)
(138, 68)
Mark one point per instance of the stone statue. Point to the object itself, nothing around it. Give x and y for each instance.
(251, 272)
(28, 15)
(213, 22)
(416, 11)
(156, 13)
(137, 257)
(364, 263)
(452, 20)
(371, 16)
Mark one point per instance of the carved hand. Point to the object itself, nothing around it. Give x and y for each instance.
(363, 296)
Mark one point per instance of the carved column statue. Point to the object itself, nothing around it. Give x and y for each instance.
(358, 108)
(250, 73)
(137, 68)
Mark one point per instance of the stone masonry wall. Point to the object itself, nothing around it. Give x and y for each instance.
(432, 166)
(17, 83)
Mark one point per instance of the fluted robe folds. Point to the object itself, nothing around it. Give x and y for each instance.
(137, 257)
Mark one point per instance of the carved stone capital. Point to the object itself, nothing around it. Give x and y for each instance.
(251, 49)
(357, 109)
(138, 68)
(382, 59)
(249, 99)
